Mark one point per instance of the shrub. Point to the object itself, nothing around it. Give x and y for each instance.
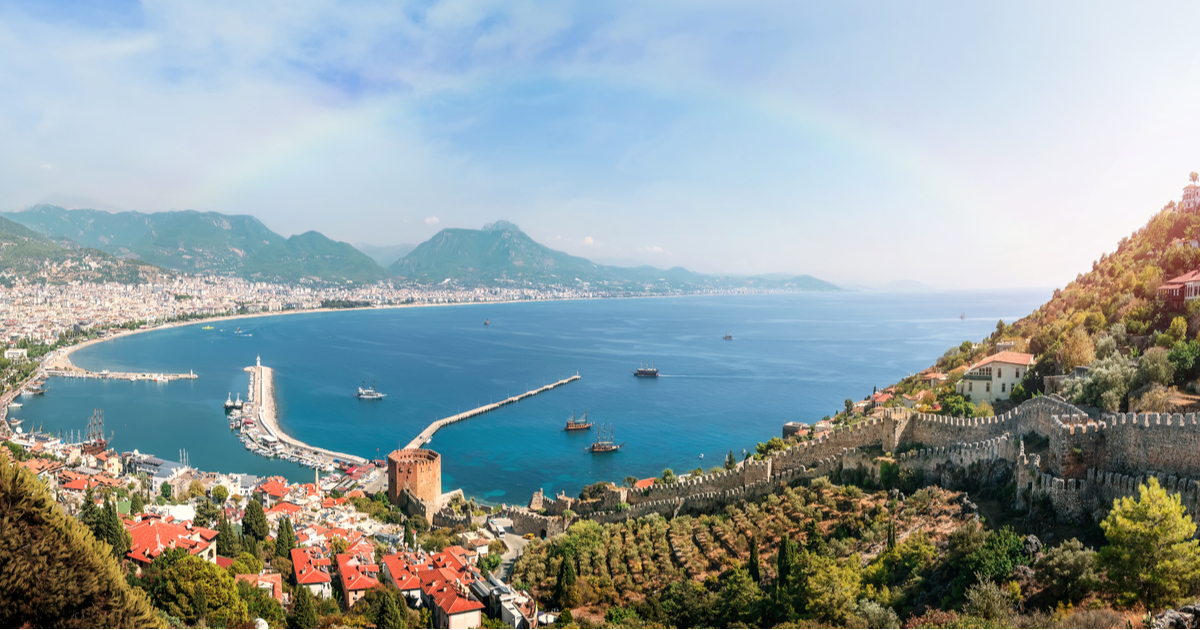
(987, 600)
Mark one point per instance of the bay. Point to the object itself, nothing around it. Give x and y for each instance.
(793, 357)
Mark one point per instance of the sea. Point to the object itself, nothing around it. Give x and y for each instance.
(793, 357)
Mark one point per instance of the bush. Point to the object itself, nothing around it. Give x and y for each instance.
(987, 600)
(1068, 571)
(875, 615)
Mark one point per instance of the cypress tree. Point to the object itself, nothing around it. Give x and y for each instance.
(89, 514)
(115, 531)
(755, 571)
(136, 504)
(286, 540)
(408, 536)
(304, 611)
(103, 529)
(783, 565)
(227, 544)
(730, 462)
(389, 613)
(254, 521)
(564, 587)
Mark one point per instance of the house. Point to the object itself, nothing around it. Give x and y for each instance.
(16, 355)
(797, 429)
(932, 377)
(446, 592)
(994, 377)
(359, 573)
(312, 571)
(151, 535)
(271, 491)
(642, 484)
(1191, 197)
(272, 583)
(401, 570)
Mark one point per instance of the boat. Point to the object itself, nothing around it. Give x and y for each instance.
(238, 404)
(207, 328)
(487, 322)
(604, 442)
(229, 405)
(580, 424)
(728, 337)
(369, 393)
(15, 421)
(34, 391)
(14, 405)
(963, 316)
(646, 372)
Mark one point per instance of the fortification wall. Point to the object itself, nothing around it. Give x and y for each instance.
(526, 522)
(1078, 500)
(935, 458)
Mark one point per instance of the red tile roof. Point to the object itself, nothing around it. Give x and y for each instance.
(275, 487)
(642, 484)
(402, 568)
(310, 566)
(358, 572)
(1008, 357)
(273, 581)
(151, 536)
(289, 509)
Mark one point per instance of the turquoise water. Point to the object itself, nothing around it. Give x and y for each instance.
(794, 357)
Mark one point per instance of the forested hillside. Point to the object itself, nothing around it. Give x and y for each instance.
(28, 256)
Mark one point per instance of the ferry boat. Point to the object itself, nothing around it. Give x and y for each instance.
(231, 404)
(580, 424)
(15, 421)
(646, 372)
(369, 393)
(34, 391)
(604, 442)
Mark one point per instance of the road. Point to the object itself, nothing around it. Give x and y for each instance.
(516, 547)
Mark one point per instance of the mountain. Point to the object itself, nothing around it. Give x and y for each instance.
(501, 253)
(205, 243)
(387, 254)
(29, 256)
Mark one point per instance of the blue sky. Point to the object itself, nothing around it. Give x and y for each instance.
(965, 145)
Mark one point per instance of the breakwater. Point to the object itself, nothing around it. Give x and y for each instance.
(427, 434)
(260, 406)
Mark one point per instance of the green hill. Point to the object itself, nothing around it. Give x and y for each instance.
(206, 243)
(29, 256)
(501, 253)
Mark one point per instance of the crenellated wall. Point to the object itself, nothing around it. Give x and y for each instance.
(1092, 497)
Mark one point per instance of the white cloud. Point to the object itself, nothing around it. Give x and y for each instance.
(432, 221)
(587, 240)
(47, 166)
(653, 249)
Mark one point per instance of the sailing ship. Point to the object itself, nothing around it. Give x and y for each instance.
(646, 372)
(580, 424)
(728, 337)
(369, 393)
(95, 442)
(604, 441)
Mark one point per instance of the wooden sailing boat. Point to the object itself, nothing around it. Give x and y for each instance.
(580, 424)
(604, 442)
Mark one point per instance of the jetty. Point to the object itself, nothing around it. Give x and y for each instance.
(161, 377)
(433, 428)
(261, 406)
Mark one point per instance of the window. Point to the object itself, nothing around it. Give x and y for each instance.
(1018, 372)
(987, 387)
(999, 372)
(1001, 388)
(970, 387)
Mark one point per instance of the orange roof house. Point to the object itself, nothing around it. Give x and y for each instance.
(312, 570)
(151, 536)
(270, 582)
(359, 574)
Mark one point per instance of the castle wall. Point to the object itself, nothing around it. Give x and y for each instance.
(1078, 500)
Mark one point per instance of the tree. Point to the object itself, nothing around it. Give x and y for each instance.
(189, 588)
(1068, 571)
(1155, 367)
(831, 588)
(165, 490)
(254, 521)
(409, 541)
(565, 592)
(785, 561)
(1150, 557)
(389, 613)
(228, 544)
(246, 564)
(136, 504)
(954, 405)
(89, 514)
(754, 569)
(219, 494)
(195, 489)
(1193, 176)
(114, 530)
(630, 481)
(286, 540)
(53, 571)
(730, 461)
(739, 599)
(668, 477)
(260, 604)
(338, 545)
(1077, 350)
(849, 405)
(304, 610)
(206, 514)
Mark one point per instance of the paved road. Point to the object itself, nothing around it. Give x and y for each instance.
(516, 547)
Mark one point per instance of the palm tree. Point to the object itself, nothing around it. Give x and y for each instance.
(1194, 176)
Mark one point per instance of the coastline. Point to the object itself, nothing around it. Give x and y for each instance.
(264, 401)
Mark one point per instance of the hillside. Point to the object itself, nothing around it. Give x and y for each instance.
(385, 255)
(205, 243)
(27, 255)
(501, 253)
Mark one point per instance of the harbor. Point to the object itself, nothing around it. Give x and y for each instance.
(258, 425)
(427, 434)
(158, 377)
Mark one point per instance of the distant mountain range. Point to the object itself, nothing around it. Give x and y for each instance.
(205, 243)
(27, 255)
(500, 254)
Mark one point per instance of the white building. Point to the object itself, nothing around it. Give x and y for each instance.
(16, 354)
(1191, 197)
(994, 377)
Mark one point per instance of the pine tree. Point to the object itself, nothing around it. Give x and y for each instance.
(286, 540)
(730, 462)
(136, 504)
(755, 570)
(304, 610)
(254, 521)
(409, 540)
(389, 613)
(114, 530)
(103, 528)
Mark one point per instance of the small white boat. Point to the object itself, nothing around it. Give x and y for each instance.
(14, 405)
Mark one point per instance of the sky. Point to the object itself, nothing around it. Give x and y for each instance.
(963, 145)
